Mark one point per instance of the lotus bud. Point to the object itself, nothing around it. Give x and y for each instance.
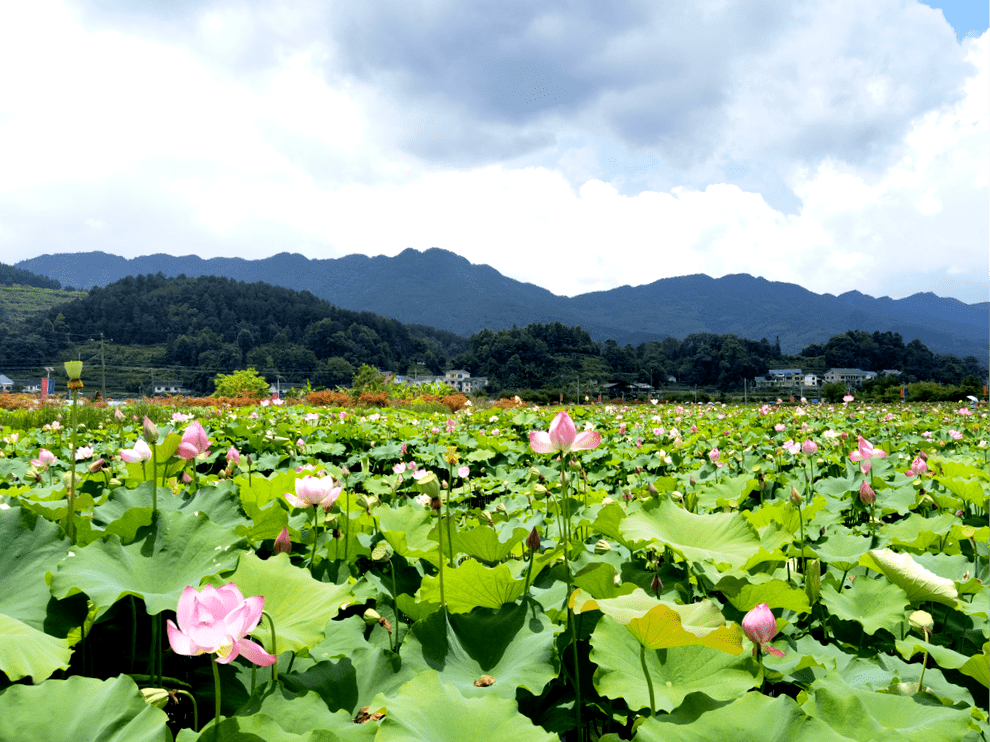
(692, 480)
(534, 472)
(676, 496)
(866, 494)
(118, 415)
(533, 540)
(501, 508)
(283, 544)
(657, 585)
(344, 471)
(652, 490)
(233, 456)
(487, 517)
(796, 498)
(922, 621)
(96, 466)
(149, 431)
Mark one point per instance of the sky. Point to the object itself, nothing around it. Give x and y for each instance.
(573, 144)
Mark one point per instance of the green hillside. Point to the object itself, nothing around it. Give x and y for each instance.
(18, 302)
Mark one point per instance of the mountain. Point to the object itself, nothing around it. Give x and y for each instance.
(439, 289)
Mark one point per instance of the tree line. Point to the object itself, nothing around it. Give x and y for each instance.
(210, 325)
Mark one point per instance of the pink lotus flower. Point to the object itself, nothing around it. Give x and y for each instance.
(955, 435)
(217, 621)
(761, 626)
(866, 494)
(809, 447)
(283, 544)
(919, 467)
(780, 427)
(45, 457)
(194, 441)
(83, 452)
(140, 452)
(399, 468)
(314, 491)
(864, 453)
(792, 447)
(848, 398)
(563, 437)
(463, 471)
(233, 456)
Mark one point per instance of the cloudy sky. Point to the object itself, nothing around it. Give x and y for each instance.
(578, 145)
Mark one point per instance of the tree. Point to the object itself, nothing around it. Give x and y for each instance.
(244, 381)
(834, 391)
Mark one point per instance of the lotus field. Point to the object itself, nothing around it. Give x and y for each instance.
(645, 572)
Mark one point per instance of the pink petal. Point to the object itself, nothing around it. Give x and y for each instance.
(539, 441)
(295, 501)
(186, 610)
(254, 652)
(180, 643)
(586, 441)
(562, 432)
(187, 451)
(773, 650)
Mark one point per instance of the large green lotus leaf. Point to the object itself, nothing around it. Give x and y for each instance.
(658, 624)
(726, 539)
(513, 645)
(256, 728)
(919, 583)
(407, 530)
(425, 710)
(304, 711)
(177, 551)
(127, 510)
(975, 666)
(30, 547)
(27, 652)
(874, 604)
(752, 718)
(917, 531)
(80, 709)
(487, 545)
(842, 549)
(299, 605)
(350, 683)
(472, 585)
(261, 499)
(755, 589)
(728, 491)
(864, 715)
(675, 672)
(971, 490)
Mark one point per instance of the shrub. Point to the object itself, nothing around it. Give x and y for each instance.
(329, 398)
(243, 381)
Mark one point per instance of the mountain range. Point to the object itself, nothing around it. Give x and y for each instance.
(440, 289)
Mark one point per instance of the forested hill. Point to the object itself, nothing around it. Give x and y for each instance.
(220, 324)
(10, 276)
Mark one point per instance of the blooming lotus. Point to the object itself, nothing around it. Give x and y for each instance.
(194, 441)
(809, 447)
(141, 452)
(83, 452)
(45, 457)
(233, 456)
(311, 491)
(216, 621)
(864, 453)
(760, 626)
(563, 437)
(792, 447)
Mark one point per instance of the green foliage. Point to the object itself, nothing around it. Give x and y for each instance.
(367, 379)
(245, 381)
(834, 391)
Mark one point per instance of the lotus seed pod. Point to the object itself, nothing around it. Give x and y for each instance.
(602, 546)
(922, 621)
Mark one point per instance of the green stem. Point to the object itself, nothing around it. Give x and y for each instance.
(565, 514)
(446, 510)
(804, 566)
(271, 625)
(649, 680)
(347, 527)
(529, 571)
(443, 597)
(395, 605)
(70, 519)
(192, 698)
(216, 690)
(154, 478)
(312, 556)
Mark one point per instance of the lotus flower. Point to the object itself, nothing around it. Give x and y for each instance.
(918, 467)
(866, 494)
(140, 452)
(864, 453)
(233, 456)
(563, 437)
(809, 447)
(792, 447)
(283, 544)
(761, 626)
(216, 621)
(194, 441)
(45, 457)
(314, 491)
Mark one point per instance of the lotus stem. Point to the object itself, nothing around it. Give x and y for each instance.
(649, 680)
(271, 625)
(312, 556)
(191, 697)
(216, 690)
(70, 526)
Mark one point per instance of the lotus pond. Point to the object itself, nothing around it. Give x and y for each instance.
(653, 572)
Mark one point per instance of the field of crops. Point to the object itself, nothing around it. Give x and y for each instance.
(651, 572)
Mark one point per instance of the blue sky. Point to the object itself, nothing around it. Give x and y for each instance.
(836, 144)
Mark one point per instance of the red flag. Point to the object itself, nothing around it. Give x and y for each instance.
(44, 387)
